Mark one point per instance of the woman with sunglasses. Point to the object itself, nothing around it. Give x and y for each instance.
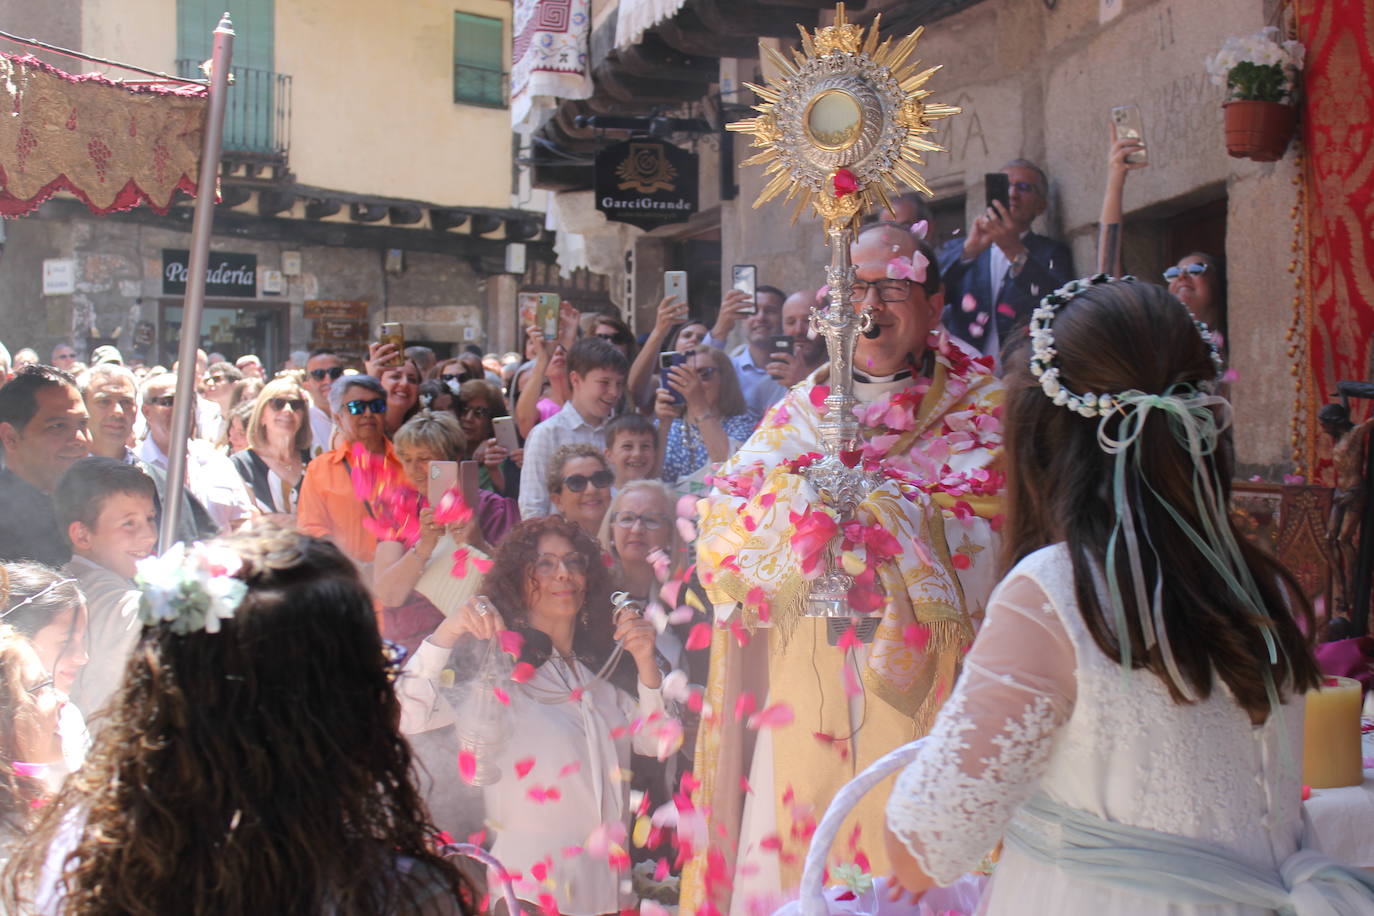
(45, 731)
(328, 506)
(708, 418)
(477, 404)
(579, 485)
(278, 450)
(592, 674)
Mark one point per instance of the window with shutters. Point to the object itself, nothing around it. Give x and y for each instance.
(478, 56)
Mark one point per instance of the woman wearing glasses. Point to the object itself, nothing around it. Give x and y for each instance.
(708, 418)
(579, 485)
(591, 675)
(43, 736)
(477, 404)
(278, 450)
(328, 506)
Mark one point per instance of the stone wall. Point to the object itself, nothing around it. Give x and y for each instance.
(119, 282)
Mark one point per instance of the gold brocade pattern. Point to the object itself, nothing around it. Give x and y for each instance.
(112, 146)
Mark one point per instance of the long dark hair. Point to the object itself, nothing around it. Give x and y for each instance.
(1117, 337)
(512, 570)
(254, 770)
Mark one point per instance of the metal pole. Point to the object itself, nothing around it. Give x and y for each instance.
(201, 228)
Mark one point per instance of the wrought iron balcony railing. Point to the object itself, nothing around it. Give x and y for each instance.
(257, 119)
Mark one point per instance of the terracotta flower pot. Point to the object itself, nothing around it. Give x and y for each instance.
(1259, 130)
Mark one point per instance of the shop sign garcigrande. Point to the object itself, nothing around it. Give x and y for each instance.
(646, 183)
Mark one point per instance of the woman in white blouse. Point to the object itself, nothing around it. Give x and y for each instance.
(562, 783)
(278, 447)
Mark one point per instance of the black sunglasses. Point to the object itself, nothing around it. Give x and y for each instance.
(578, 482)
(334, 372)
(481, 413)
(376, 405)
(459, 378)
(296, 404)
(616, 338)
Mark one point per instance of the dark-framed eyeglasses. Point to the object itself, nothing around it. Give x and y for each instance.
(1192, 270)
(333, 372)
(890, 290)
(578, 482)
(376, 405)
(481, 413)
(630, 519)
(617, 338)
(40, 686)
(163, 400)
(296, 404)
(547, 564)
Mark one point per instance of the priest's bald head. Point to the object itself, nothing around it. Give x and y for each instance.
(897, 277)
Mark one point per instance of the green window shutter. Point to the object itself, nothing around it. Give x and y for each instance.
(478, 61)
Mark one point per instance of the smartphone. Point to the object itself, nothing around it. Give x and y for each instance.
(781, 343)
(393, 332)
(1127, 124)
(667, 361)
(675, 285)
(546, 315)
(997, 186)
(745, 278)
(467, 479)
(443, 476)
(504, 429)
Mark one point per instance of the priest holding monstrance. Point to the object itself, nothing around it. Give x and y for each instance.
(849, 546)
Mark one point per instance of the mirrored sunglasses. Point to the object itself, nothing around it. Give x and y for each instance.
(376, 405)
(1193, 270)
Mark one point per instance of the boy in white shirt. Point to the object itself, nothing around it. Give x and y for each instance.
(107, 510)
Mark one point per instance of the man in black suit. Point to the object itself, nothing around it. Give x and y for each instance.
(1001, 255)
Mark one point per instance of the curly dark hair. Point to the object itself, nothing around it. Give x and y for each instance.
(512, 572)
(254, 770)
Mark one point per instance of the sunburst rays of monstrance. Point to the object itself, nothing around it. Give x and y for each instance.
(846, 123)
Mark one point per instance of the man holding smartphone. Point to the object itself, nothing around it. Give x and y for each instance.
(761, 325)
(996, 274)
(803, 354)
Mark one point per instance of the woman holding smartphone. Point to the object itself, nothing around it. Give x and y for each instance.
(709, 418)
(641, 382)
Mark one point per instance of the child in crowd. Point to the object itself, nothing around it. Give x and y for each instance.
(107, 510)
(632, 448)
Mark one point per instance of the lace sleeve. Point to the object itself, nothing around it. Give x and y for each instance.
(993, 737)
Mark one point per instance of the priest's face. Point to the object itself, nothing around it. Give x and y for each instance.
(901, 308)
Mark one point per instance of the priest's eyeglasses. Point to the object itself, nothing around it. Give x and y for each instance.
(888, 290)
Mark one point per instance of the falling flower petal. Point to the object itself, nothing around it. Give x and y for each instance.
(501, 696)
(744, 705)
(687, 529)
(467, 766)
(851, 682)
(522, 672)
(699, 638)
(916, 636)
(511, 642)
(775, 716)
(523, 767)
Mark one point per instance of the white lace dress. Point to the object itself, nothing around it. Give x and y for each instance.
(1039, 708)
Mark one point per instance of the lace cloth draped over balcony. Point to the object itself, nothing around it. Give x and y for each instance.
(551, 58)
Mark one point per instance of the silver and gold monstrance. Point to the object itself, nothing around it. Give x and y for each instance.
(846, 122)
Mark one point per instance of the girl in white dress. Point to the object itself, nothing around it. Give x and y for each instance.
(1128, 722)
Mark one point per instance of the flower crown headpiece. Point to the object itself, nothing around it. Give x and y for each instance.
(1043, 353)
(190, 589)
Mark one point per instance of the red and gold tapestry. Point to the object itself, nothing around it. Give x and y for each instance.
(1337, 320)
(112, 145)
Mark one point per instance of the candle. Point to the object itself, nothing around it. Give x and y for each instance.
(1331, 735)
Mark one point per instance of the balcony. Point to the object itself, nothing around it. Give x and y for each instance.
(257, 118)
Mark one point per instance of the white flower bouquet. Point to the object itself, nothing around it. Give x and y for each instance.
(1258, 67)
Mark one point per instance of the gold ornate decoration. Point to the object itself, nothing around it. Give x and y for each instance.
(846, 103)
(646, 169)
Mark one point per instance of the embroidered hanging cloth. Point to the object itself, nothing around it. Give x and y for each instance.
(635, 17)
(551, 57)
(1337, 302)
(114, 146)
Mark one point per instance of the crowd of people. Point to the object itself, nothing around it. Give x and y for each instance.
(464, 563)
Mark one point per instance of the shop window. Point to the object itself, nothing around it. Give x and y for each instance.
(478, 56)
